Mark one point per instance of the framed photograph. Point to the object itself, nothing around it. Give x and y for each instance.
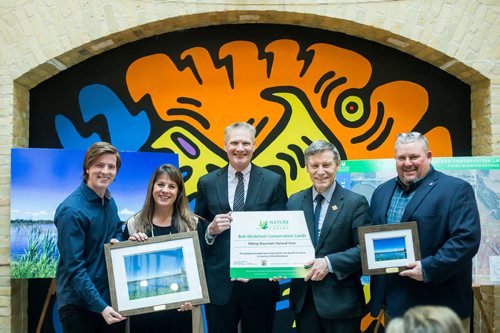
(388, 248)
(159, 274)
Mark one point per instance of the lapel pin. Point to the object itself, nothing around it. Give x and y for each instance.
(334, 207)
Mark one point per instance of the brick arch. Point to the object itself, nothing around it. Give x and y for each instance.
(478, 82)
(480, 96)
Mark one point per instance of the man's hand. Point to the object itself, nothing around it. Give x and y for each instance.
(415, 271)
(221, 223)
(277, 279)
(113, 241)
(319, 269)
(185, 307)
(241, 280)
(111, 316)
(139, 237)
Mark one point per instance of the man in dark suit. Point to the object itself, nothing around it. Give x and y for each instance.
(330, 298)
(446, 213)
(239, 186)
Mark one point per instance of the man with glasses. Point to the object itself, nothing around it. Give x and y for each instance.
(446, 213)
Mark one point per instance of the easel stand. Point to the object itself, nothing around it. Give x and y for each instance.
(50, 293)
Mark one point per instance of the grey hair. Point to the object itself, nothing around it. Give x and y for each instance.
(431, 319)
(320, 146)
(239, 125)
(412, 137)
(396, 325)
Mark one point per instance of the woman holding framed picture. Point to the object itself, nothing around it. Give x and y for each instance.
(165, 211)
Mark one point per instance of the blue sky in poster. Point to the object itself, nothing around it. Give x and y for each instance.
(389, 244)
(42, 178)
(154, 264)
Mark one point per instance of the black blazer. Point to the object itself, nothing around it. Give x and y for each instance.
(266, 191)
(340, 294)
(449, 232)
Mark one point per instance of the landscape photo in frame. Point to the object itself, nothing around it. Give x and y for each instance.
(388, 248)
(159, 274)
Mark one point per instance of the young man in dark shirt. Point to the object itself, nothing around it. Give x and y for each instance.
(85, 221)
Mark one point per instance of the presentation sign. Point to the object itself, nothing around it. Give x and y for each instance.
(269, 244)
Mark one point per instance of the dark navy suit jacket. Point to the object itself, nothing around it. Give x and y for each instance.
(266, 191)
(340, 294)
(447, 217)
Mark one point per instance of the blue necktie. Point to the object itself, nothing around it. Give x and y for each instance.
(317, 212)
(239, 194)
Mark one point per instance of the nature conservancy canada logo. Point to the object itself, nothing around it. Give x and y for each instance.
(273, 225)
(263, 225)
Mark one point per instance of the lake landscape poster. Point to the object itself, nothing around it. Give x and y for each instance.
(42, 178)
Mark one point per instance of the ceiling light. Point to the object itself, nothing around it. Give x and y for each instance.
(57, 64)
(397, 42)
(102, 45)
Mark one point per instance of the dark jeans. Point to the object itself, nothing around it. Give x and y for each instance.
(75, 319)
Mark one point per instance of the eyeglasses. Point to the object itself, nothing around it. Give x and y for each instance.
(409, 135)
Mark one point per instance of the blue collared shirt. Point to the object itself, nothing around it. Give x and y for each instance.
(399, 201)
(85, 222)
(401, 197)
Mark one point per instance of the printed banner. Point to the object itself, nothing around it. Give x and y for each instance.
(269, 244)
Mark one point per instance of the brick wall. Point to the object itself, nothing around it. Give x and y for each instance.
(461, 37)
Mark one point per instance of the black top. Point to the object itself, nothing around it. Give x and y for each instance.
(157, 230)
(161, 231)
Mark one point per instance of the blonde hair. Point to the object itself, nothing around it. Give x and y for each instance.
(427, 319)
(239, 125)
(183, 218)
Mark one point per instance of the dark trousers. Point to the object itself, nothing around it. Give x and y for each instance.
(75, 319)
(256, 316)
(308, 320)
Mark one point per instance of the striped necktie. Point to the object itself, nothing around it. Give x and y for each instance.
(317, 212)
(239, 194)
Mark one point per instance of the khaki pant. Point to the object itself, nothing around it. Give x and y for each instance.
(197, 316)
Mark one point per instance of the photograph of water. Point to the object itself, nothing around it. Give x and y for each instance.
(155, 273)
(389, 248)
